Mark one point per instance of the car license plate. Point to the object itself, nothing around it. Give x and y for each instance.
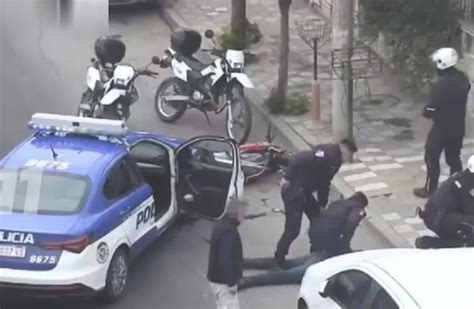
(12, 251)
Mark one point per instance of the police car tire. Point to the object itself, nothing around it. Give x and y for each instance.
(108, 294)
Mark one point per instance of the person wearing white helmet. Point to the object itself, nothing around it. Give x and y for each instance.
(447, 110)
(448, 209)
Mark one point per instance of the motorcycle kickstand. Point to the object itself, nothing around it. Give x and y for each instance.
(207, 118)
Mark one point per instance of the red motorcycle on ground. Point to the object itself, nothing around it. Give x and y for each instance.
(260, 158)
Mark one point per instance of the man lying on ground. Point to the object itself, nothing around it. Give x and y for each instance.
(330, 234)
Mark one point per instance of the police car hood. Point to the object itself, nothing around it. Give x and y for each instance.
(14, 227)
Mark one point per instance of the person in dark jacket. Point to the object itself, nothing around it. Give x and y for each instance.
(226, 256)
(309, 171)
(447, 109)
(330, 235)
(451, 206)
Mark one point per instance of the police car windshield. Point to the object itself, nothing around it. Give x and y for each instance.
(39, 192)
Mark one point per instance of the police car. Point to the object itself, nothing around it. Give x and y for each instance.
(81, 198)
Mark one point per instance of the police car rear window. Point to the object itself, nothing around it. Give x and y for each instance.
(36, 192)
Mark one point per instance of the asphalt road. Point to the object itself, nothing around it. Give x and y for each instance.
(43, 70)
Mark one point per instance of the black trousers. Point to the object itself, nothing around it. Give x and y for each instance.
(296, 203)
(433, 150)
(277, 276)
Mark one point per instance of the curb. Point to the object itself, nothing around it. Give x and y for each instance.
(375, 222)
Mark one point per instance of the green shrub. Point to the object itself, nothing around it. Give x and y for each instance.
(229, 40)
(297, 104)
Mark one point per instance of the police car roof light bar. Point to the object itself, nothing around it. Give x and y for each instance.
(77, 125)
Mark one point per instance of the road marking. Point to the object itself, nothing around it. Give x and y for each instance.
(468, 151)
(383, 167)
(352, 167)
(414, 220)
(426, 232)
(410, 159)
(375, 158)
(391, 216)
(369, 150)
(360, 176)
(372, 186)
(402, 229)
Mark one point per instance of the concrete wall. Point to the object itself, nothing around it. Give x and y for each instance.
(38, 56)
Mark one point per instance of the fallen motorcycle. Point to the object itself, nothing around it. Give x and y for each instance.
(259, 158)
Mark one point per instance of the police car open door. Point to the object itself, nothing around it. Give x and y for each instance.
(204, 186)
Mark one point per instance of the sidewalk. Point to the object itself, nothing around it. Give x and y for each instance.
(388, 129)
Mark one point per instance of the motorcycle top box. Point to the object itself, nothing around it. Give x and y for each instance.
(186, 41)
(109, 49)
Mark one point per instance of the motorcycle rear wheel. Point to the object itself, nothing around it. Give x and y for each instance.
(179, 107)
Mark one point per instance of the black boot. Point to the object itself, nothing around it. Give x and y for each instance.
(281, 261)
(421, 192)
(427, 242)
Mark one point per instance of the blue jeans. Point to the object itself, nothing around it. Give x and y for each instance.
(277, 276)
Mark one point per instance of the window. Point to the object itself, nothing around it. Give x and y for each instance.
(119, 181)
(149, 152)
(41, 192)
(383, 301)
(136, 175)
(350, 288)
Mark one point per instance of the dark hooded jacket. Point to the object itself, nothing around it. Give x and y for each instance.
(313, 170)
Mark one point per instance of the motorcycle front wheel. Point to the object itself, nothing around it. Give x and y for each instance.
(239, 116)
(176, 109)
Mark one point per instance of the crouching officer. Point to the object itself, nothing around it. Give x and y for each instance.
(332, 231)
(447, 109)
(450, 206)
(309, 171)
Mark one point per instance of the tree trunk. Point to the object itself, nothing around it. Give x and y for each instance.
(238, 21)
(282, 85)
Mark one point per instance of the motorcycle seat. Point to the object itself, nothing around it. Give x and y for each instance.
(194, 64)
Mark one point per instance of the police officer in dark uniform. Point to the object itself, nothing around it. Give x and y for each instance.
(448, 208)
(307, 172)
(330, 234)
(447, 109)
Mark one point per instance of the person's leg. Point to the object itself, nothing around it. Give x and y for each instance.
(261, 263)
(271, 264)
(293, 275)
(279, 277)
(293, 216)
(452, 154)
(432, 156)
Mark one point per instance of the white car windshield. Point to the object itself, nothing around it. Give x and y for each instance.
(39, 192)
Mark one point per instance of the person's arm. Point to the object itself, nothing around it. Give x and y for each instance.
(436, 101)
(355, 217)
(323, 195)
(229, 264)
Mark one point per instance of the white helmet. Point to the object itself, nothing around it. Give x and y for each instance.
(445, 57)
(470, 164)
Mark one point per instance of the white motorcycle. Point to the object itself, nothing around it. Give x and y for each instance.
(213, 87)
(112, 98)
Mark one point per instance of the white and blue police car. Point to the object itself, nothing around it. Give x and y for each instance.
(81, 198)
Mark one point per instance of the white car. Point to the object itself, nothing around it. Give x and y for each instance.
(391, 279)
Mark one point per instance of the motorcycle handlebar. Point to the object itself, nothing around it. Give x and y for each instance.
(147, 73)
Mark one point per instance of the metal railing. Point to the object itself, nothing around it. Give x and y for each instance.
(466, 6)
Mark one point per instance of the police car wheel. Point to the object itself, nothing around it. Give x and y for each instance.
(117, 277)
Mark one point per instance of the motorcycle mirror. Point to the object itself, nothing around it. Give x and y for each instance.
(209, 34)
(155, 60)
